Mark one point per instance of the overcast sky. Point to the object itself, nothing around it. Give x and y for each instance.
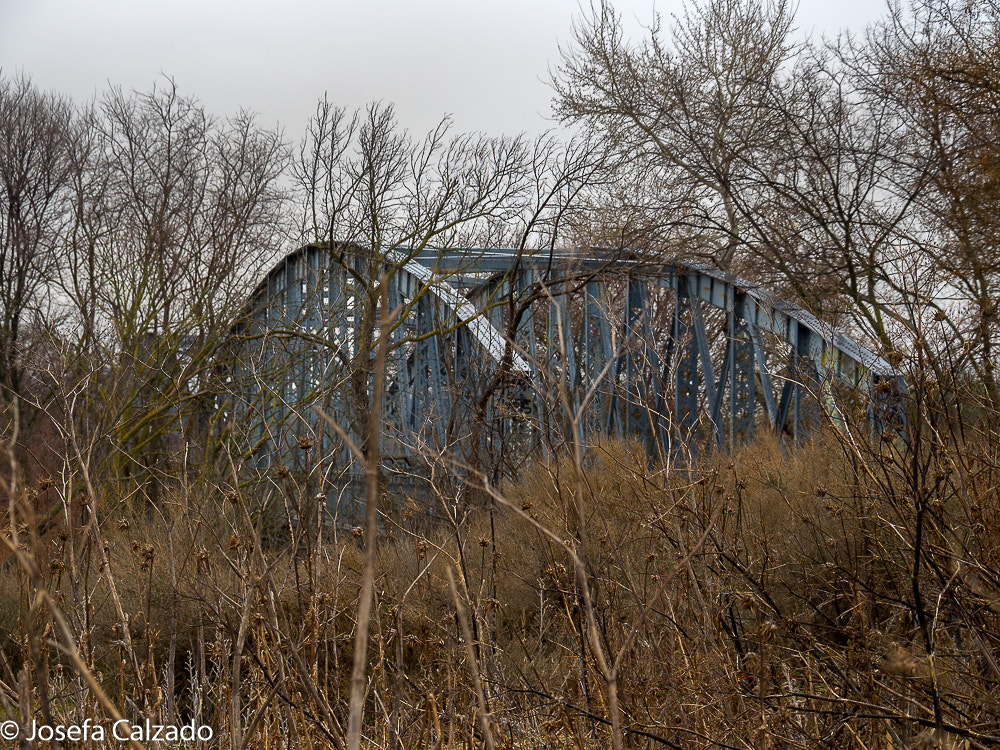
(484, 63)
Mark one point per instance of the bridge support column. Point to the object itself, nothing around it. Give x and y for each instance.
(741, 376)
(800, 392)
(561, 362)
(595, 355)
(686, 372)
(430, 404)
(640, 364)
(398, 398)
(525, 340)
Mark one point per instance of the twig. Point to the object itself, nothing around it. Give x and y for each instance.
(484, 716)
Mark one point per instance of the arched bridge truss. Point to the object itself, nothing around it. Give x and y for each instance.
(517, 353)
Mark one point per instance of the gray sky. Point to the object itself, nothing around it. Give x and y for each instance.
(484, 63)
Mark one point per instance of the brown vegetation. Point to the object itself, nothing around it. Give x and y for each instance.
(812, 599)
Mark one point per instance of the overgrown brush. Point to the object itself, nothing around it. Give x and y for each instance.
(844, 594)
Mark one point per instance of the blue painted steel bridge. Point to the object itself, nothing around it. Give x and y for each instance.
(496, 354)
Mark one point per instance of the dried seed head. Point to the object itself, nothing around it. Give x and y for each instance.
(305, 442)
(358, 532)
(484, 542)
(820, 491)
(901, 663)
(123, 524)
(768, 630)
(44, 483)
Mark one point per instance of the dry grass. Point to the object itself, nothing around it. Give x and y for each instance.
(796, 623)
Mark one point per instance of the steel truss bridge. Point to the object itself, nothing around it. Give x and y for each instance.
(495, 354)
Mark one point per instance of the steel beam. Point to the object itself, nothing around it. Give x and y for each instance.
(743, 382)
(686, 371)
(596, 357)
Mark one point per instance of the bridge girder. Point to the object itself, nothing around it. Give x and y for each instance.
(604, 345)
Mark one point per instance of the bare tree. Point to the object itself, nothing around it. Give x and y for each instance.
(35, 141)
(173, 216)
(685, 109)
(936, 65)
